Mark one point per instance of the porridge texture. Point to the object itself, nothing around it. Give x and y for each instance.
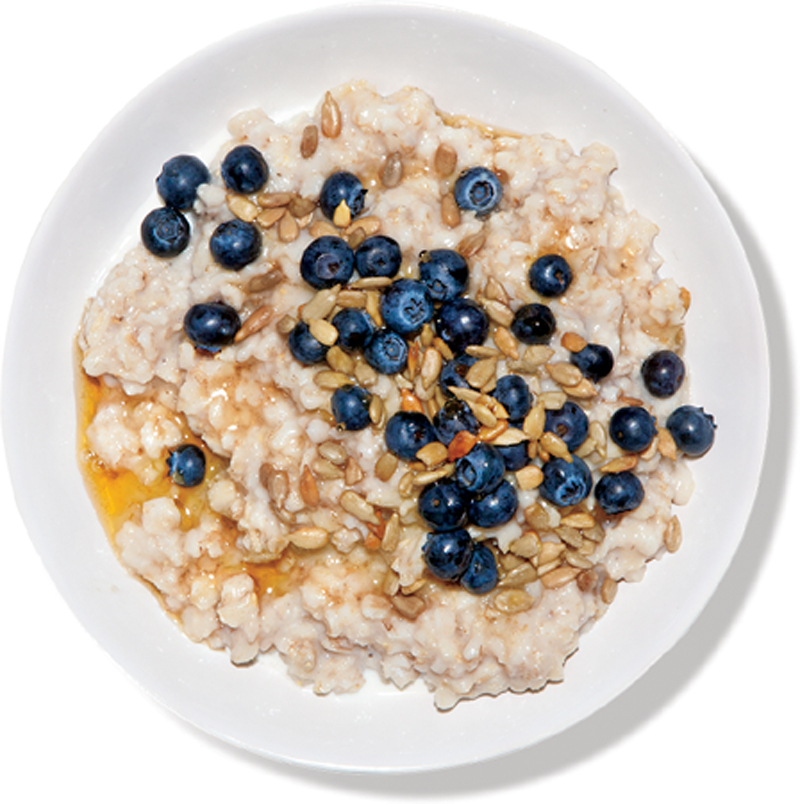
(342, 504)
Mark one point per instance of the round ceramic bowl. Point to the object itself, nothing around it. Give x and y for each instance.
(520, 82)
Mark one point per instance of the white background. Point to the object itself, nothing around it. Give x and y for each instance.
(716, 716)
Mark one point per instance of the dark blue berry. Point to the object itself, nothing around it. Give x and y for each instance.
(461, 323)
(350, 407)
(481, 469)
(478, 190)
(692, 429)
(534, 324)
(569, 423)
(179, 179)
(481, 574)
(406, 306)
(304, 347)
(443, 505)
(663, 373)
(378, 256)
(453, 417)
(447, 553)
(495, 508)
(445, 273)
(595, 361)
(513, 393)
(632, 428)
(386, 351)
(338, 187)
(327, 261)
(407, 432)
(550, 275)
(244, 170)
(165, 232)
(454, 371)
(211, 325)
(355, 326)
(565, 483)
(618, 492)
(515, 456)
(187, 465)
(235, 244)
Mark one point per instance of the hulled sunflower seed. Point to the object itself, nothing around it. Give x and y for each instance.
(564, 373)
(555, 446)
(527, 546)
(506, 343)
(445, 160)
(433, 454)
(339, 360)
(529, 477)
(333, 451)
(673, 537)
(330, 117)
(320, 305)
(510, 437)
(309, 492)
(579, 520)
(325, 470)
(353, 473)
(573, 342)
(269, 217)
(391, 533)
(309, 141)
(273, 200)
(666, 444)
(608, 591)
(558, 577)
(550, 552)
(470, 245)
(426, 478)
(481, 372)
(498, 312)
(513, 601)
(356, 505)
(520, 575)
(255, 322)
(331, 380)
(309, 537)
(553, 400)
(625, 463)
(323, 331)
(386, 466)
(243, 208)
(581, 390)
(392, 171)
(587, 580)
(409, 606)
(450, 212)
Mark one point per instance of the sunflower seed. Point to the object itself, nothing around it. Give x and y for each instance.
(445, 160)
(564, 373)
(321, 304)
(512, 601)
(255, 322)
(608, 591)
(392, 171)
(573, 342)
(309, 537)
(323, 331)
(386, 466)
(308, 488)
(559, 577)
(309, 141)
(356, 505)
(330, 117)
(451, 214)
(529, 477)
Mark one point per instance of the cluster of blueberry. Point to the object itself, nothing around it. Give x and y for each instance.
(477, 493)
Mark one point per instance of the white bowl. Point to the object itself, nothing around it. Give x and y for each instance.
(470, 65)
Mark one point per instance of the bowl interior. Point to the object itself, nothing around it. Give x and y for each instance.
(521, 82)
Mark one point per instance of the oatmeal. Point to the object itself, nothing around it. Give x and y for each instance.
(384, 390)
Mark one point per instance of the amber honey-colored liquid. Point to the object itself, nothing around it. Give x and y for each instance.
(117, 495)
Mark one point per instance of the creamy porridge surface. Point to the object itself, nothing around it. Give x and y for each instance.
(307, 538)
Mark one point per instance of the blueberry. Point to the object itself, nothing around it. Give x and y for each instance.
(447, 553)
(481, 469)
(187, 465)
(386, 351)
(495, 508)
(338, 187)
(443, 505)
(513, 393)
(569, 423)
(445, 273)
(354, 326)
(618, 492)
(663, 373)
(327, 261)
(179, 179)
(478, 190)
(244, 170)
(406, 306)
(481, 574)
(534, 324)
(692, 428)
(453, 417)
(350, 407)
(461, 323)
(165, 232)
(304, 347)
(565, 483)
(407, 432)
(378, 256)
(211, 325)
(515, 456)
(454, 371)
(632, 428)
(595, 361)
(235, 244)
(550, 275)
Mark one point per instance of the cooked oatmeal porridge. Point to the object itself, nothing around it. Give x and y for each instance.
(386, 390)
